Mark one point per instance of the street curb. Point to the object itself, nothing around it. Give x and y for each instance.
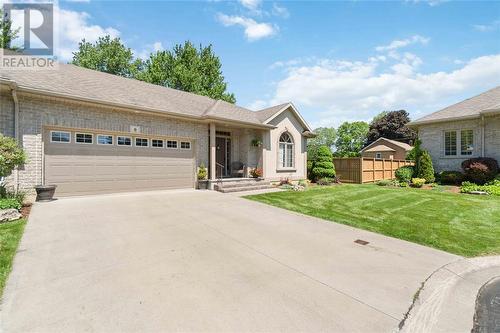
(446, 301)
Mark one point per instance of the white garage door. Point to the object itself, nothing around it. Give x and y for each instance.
(86, 162)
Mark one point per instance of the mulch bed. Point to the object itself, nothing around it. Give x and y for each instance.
(25, 210)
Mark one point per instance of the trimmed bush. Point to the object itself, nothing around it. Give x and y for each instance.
(405, 173)
(480, 170)
(323, 166)
(384, 182)
(451, 177)
(425, 168)
(10, 203)
(418, 182)
(202, 172)
(11, 155)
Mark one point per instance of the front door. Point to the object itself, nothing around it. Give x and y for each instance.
(222, 156)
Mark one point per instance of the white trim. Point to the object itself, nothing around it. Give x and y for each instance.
(295, 111)
(84, 143)
(280, 166)
(162, 143)
(458, 141)
(176, 144)
(141, 138)
(190, 145)
(106, 144)
(69, 133)
(378, 156)
(125, 137)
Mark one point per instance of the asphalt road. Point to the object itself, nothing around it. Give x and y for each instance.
(487, 318)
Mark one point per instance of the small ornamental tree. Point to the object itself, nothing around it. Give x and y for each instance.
(425, 168)
(11, 155)
(323, 165)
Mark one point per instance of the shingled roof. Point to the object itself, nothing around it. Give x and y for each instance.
(71, 81)
(473, 107)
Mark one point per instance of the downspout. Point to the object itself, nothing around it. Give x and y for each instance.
(482, 136)
(13, 87)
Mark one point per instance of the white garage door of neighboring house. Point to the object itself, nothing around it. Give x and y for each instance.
(85, 162)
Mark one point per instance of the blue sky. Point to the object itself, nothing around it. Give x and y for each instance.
(336, 60)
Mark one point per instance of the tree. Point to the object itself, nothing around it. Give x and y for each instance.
(107, 55)
(187, 68)
(391, 125)
(7, 34)
(351, 138)
(425, 168)
(323, 165)
(325, 136)
(11, 155)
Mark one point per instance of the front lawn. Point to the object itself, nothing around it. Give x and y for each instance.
(463, 224)
(10, 234)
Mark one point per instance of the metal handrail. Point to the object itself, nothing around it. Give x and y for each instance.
(222, 168)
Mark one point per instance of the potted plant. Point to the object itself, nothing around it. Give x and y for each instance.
(202, 177)
(45, 192)
(256, 143)
(256, 173)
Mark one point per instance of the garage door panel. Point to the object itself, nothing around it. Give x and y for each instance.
(80, 169)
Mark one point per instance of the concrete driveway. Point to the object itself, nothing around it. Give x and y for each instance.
(205, 261)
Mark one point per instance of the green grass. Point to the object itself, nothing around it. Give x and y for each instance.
(463, 224)
(10, 234)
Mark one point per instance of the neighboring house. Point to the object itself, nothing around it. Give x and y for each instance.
(91, 132)
(386, 149)
(461, 131)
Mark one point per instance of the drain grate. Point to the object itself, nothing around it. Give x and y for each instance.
(360, 241)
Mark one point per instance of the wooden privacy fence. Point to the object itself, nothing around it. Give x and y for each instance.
(360, 170)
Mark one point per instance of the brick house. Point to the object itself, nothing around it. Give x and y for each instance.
(467, 129)
(90, 132)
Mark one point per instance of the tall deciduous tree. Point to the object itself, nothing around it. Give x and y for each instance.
(7, 33)
(325, 136)
(107, 55)
(351, 138)
(196, 70)
(391, 125)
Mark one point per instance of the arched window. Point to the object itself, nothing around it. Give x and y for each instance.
(286, 151)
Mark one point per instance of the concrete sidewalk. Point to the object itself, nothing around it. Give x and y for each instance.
(447, 300)
(205, 261)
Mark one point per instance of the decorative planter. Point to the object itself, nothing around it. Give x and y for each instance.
(45, 192)
(202, 185)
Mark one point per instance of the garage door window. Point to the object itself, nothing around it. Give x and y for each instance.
(104, 139)
(84, 138)
(141, 142)
(185, 145)
(63, 137)
(156, 143)
(124, 141)
(172, 144)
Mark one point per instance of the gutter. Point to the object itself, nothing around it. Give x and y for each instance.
(17, 137)
(134, 108)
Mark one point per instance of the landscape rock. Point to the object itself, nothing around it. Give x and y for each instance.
(10, 214)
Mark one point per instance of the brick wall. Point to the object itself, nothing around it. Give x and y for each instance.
(432, 137)
(36, 112)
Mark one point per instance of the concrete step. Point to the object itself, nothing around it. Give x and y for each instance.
(244, 183)
(243, 188)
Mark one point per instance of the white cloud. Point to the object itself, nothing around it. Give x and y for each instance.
(148, 49)
(358, 90)
(73, 27)
(280, 11)
(70, 27)
(253, 29)
(397, 44)
(251, 4)
(493, 26)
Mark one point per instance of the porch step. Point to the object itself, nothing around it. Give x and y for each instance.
(243, 188)
(237, 185)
